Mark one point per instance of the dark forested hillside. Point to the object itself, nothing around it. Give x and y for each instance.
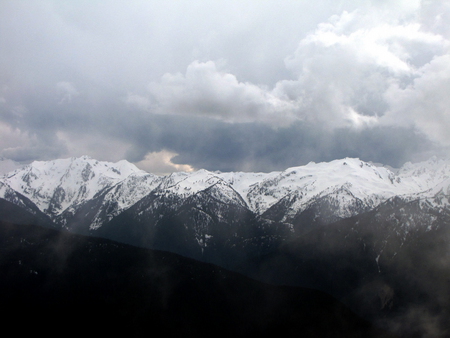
(375, 240)
(391, 265)
(13, 213)
(56, 282)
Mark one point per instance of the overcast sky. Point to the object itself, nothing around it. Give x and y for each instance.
(225, 85)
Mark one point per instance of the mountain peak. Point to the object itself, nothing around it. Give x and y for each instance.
(82, 158)
(67, 183)
(59, 184)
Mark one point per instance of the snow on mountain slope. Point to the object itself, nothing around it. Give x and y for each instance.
(346, 187)
(177, 189)
(113, 201)
(304, 183)
(55, 186)
(424, 175)
(12, 196)
(131, 189)
(427, 182)
(187, 184)
(343, 187)
(242, 182)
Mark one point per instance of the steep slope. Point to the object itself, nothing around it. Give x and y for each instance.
(90, 215)
(55, 281)
(11, 212)
(15, 207)
(208, 215)
(422, 176)
(376, 238)
(390, 265)
(60, 188)
(82, 193)
(197, 215)
(340, 188)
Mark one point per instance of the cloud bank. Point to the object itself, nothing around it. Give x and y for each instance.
(225, 86)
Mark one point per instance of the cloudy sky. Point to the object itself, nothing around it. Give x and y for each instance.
(225, 85)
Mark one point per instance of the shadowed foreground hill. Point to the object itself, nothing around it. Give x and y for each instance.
(54, 283)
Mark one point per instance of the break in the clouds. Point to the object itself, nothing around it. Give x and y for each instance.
(225, 85)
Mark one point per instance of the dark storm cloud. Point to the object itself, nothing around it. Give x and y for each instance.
(199, 141)
(216, 145)
(224, 85)
(257, 148)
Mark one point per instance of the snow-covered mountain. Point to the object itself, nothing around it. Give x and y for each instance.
(60, 188)
(325, 191)
(348, 227)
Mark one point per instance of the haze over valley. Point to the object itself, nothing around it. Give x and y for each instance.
(238, 167)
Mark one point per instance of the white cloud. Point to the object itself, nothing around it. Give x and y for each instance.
(99, 147)
(333, 64)
(206, 90)
(137, 101)
(346, 67)
(21, 145)
(66, 91)
(161, 163)
(343, 71)
(11, 138)
(425, 103)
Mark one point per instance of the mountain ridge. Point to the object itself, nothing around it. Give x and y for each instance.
(105, 287)
(345, 221)
(207, 215)
(84, 195)
(61, 185)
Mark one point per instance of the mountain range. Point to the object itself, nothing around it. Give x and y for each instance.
(61, 189)
(376, 238)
